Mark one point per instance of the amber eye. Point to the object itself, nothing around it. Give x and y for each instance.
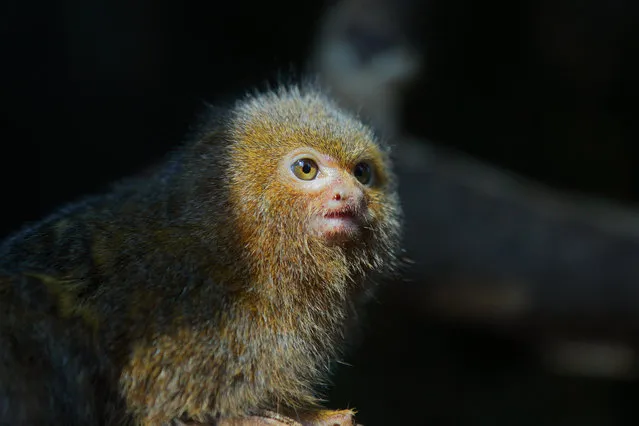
(305, 169)
(363, 173)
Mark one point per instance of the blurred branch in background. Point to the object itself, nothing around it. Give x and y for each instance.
(494, 250)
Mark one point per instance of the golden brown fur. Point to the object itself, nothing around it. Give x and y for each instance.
(197, 292)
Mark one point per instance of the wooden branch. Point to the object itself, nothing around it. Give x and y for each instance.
(270, 418)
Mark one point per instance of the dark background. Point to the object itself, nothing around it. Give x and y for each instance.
(91, 91)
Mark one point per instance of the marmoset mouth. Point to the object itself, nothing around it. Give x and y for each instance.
(338, 225)
(341, 213)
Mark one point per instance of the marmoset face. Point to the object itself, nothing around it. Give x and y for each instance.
(338, 195)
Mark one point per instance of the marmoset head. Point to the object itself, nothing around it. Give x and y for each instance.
(297, 188)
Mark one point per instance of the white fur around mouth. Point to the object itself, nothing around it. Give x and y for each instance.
(338, 225)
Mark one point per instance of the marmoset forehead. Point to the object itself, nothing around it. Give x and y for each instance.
(288, 121)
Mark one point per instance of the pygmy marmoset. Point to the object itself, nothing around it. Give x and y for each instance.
(218, 286)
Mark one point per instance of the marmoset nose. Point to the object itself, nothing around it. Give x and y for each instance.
(344, 194)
